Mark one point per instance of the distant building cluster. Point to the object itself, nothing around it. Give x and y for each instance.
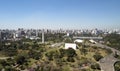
(6, 34)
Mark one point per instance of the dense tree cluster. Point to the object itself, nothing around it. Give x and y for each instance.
(113, 40)
(34, 56)
(55, 37)
(95, 66)
(97, 57)
(117, 66)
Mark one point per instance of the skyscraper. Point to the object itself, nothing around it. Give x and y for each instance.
(0, 35)
(43, 36)
(37, 33)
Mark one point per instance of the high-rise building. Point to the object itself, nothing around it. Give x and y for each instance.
(0, 35)
(14, 35)
(43, 36)
(37, 33)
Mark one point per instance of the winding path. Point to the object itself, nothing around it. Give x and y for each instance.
(107, 63)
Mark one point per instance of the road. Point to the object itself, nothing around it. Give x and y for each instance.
(107, 63)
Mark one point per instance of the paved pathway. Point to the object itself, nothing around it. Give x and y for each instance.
(57, 44)
(2, 58)
(107, 63)
(104, 46)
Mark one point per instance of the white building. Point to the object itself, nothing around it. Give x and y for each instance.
(68, 34)
(92, 41)
(70, 45)
(34, 38)
(43, 36)
(78, 41)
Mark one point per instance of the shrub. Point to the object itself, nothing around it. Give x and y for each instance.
(70, 59)
(96, 66)
(97, 57)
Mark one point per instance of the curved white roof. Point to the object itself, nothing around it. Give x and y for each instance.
(78, 40)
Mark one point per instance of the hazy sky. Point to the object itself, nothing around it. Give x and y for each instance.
(55, 14)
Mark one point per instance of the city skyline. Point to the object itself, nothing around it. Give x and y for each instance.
(55, 14)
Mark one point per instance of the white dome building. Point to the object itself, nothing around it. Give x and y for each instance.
(92, 41)
(78, 41)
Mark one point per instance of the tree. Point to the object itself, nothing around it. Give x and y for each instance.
(116, 55)
(62, 52)
(84, 61)
(1, 67)
(83, 70)
(71, 52)
(117, 66)
(97, 57)
(3, 63)
(83, 51)
(11, 52)
(95, 66)
(50, 55)
(113, 40)
(34, 54)
(108, 50)
(66, 68)
(10, 61)
(68, 40)
(20, 60)
(9, 68)
(70, 59)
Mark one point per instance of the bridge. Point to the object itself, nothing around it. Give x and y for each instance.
(95, 38)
